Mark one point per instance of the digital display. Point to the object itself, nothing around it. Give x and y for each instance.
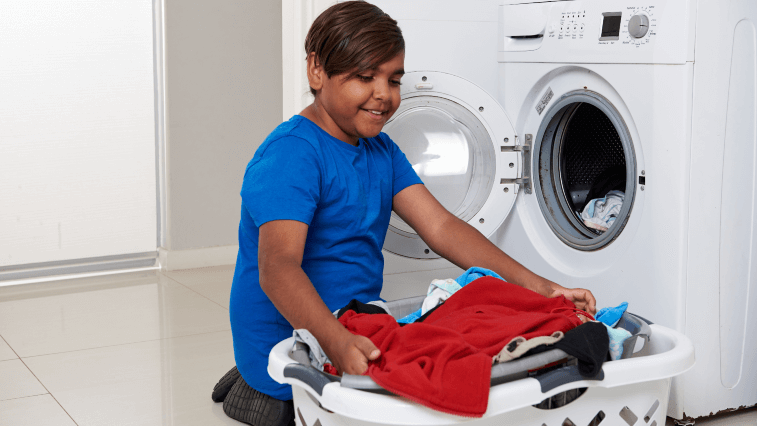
(611, 26)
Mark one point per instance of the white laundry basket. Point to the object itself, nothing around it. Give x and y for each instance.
(630, 392)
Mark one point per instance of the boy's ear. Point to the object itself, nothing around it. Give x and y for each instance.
(315, 72)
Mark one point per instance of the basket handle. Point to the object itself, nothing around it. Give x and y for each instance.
(639, 329)
(564, 375)
(308, 375)
(303, 372)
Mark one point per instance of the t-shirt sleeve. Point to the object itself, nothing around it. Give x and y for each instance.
(403, 172)
(283, 182)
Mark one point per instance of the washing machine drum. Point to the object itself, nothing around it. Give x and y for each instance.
(460, 142)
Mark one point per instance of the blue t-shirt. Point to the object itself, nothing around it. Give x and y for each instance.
(344, 193)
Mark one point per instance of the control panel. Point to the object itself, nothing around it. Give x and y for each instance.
(634, 26)
(597, 31)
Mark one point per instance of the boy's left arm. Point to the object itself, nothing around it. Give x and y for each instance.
(464, 246)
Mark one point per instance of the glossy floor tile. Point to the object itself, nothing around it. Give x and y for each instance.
(97, 312)
(399, 286)
(33, 411)
(213, 282)
(5, 351)
(159, 382)
(16, 381)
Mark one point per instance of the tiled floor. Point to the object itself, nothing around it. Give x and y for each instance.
(136, 349)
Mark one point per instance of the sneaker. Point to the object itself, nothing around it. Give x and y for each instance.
(224, 385)
(245, 404)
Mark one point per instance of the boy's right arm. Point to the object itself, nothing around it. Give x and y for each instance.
(281, 245)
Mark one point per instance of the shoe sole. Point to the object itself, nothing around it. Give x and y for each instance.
(247, 405)
(224, 385)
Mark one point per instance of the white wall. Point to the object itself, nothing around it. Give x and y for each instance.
(77, 131)
(223, 97)
(86, 109)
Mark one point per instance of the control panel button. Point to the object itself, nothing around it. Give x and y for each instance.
(638, 26)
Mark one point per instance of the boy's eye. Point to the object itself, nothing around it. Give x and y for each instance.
(365, 77)
(396, 82)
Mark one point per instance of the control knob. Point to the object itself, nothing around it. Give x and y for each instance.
(638, 26)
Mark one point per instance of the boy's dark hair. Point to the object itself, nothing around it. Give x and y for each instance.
(353, 37)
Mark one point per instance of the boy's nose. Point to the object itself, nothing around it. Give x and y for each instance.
(381, 90)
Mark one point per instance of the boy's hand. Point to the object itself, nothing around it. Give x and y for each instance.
(582, 298)
(350, 353)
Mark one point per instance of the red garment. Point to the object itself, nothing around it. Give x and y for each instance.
(445, 362)
(328, 368)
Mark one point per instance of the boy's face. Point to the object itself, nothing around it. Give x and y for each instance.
(359, 107)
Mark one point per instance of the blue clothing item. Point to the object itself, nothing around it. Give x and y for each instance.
(475, 273)
(344, 193)
(466, 278)
(617, 337)
(611, 316)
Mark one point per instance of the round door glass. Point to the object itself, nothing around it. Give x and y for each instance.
(451, 151)
(586, 170)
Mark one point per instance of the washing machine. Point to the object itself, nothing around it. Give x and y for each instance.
(518, 113)
(655, 99)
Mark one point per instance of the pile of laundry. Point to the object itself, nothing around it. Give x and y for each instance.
(600, 213)
(442, 355)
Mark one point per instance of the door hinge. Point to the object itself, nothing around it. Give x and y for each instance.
(525, 150)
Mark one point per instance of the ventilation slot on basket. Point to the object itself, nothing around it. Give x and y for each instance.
(654, 423)
(597, 419)
(651, 411)
(568, 422)
(302, 419)
(561, 399)
(628, 415)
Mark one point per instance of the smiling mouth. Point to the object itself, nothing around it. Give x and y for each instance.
(375, 113)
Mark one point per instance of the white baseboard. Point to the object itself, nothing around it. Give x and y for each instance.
(173, 260)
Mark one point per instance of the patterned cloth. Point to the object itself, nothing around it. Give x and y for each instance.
(601, 213)
(617, 337)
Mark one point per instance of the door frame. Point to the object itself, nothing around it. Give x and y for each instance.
(296, 18)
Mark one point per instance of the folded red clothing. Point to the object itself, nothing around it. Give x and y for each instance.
(445, 362)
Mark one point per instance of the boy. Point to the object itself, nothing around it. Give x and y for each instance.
(316, 203)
